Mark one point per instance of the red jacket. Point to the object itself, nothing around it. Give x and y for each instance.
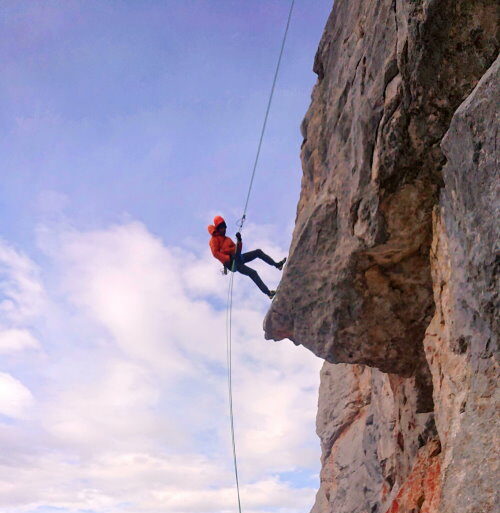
(222, 247)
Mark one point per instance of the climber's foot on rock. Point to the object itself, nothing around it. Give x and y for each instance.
(280, 264)
(272, 293)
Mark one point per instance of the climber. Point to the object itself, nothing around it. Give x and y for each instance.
(229, 253)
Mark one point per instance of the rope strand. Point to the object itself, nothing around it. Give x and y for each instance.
(275, 78)
(230, 382)
(231, 280)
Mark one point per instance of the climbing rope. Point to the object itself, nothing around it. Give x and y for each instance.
(264, 124)
(230, 379)
(231, 279)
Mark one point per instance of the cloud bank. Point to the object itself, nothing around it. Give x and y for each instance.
(113, 393)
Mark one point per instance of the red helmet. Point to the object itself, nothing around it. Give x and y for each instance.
(218, 220)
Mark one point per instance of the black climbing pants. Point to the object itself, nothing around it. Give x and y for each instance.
(243, 258)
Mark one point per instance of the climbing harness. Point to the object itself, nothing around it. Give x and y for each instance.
(231, 279)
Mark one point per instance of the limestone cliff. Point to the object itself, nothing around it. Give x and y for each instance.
(392, 276)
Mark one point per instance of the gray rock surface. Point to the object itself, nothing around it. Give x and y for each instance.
(393, 265)
(357, 287)
(462, 340)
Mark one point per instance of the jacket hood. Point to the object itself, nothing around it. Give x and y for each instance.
(217, 221)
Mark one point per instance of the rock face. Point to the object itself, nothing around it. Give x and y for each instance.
(370, 437)
(392, 265)
(461, 342)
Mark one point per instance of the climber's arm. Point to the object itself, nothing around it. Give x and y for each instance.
(239, 243)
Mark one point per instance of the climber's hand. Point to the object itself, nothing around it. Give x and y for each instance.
(238, 236)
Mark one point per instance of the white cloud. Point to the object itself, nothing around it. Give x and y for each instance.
(106, 411)
(22, 291)
(131, 411)
(15, 399)
(13, 340)
(143, 483)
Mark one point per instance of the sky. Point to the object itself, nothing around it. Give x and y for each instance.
(125, 126)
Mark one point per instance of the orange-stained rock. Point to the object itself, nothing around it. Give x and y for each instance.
(370, 436)
(421, 490)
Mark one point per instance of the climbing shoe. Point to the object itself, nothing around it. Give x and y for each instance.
(280, 264)
(272, 293)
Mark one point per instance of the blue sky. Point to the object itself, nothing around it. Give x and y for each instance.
(125, 126)
(151, 109)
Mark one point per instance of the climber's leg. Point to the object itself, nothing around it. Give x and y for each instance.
(257, 253)
(252, 273)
